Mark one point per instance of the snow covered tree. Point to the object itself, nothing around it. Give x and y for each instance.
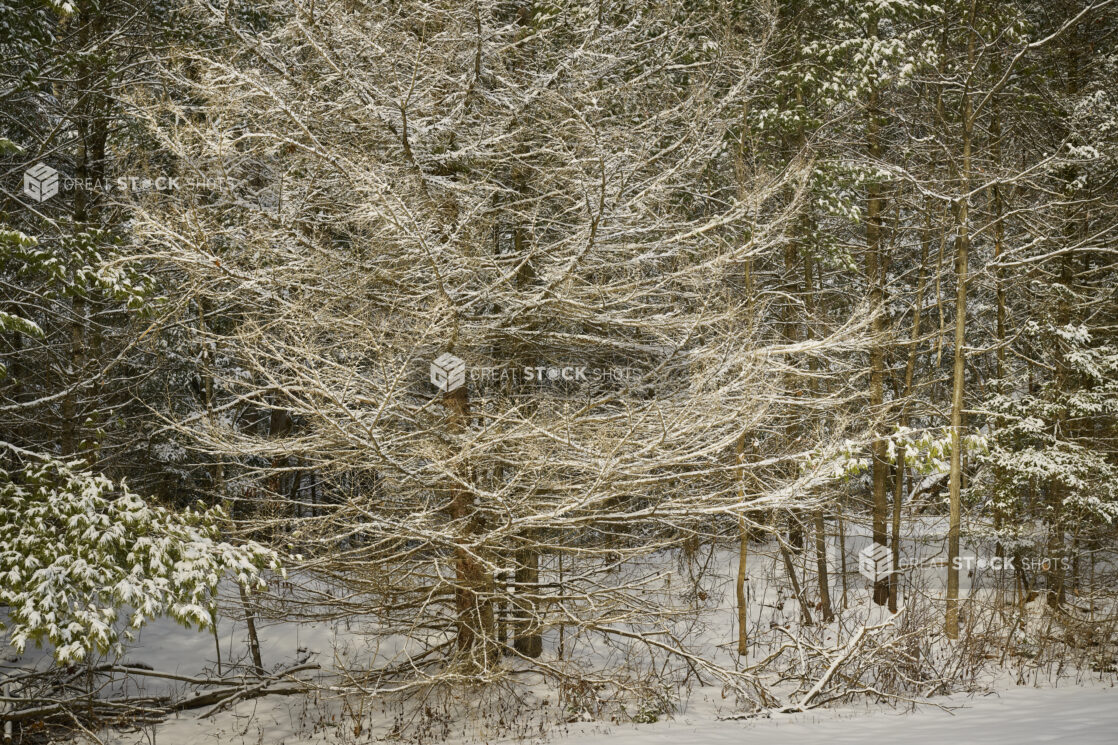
(540, 193)
(77, 552)
(78, 549)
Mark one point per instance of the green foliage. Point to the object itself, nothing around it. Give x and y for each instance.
(80, 262)
(930, 451)
(77, 551)
(1043, 438)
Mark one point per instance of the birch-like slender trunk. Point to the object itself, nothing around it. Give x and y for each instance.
(962, 246)
(877, 353)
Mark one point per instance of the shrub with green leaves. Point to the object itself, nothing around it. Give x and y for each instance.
(77, 552)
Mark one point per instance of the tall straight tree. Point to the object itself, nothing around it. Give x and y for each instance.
(544, 198)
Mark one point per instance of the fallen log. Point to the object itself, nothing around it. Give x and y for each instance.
(225, 691)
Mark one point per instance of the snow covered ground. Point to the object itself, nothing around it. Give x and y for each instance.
(1016, 716)
(1056, 711)
(1079, 716)
(1013, 715)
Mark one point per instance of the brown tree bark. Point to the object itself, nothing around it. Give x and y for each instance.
(789, 567)
(906, 394)
(475, 621)
(962, 246)
(818, 517)
(880, 466)
(821, 568)
(743, 555)
(529, 641)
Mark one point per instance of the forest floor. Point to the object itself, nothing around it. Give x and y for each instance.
(1015, 704)
(1012, 716)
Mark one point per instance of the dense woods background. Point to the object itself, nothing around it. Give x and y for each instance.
(819, 273)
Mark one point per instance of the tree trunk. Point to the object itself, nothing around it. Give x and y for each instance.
(253, 639)
(743, 554)
(740, 588)
(962, 246)
(475, 626)
(529, 641)
(805, 609)
(821, 567)
(877, 354)
(818, 518)
(910, 369)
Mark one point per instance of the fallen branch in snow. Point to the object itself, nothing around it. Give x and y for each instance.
(823, 666)
(852, 646)
(38, 699)
(47, 709)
